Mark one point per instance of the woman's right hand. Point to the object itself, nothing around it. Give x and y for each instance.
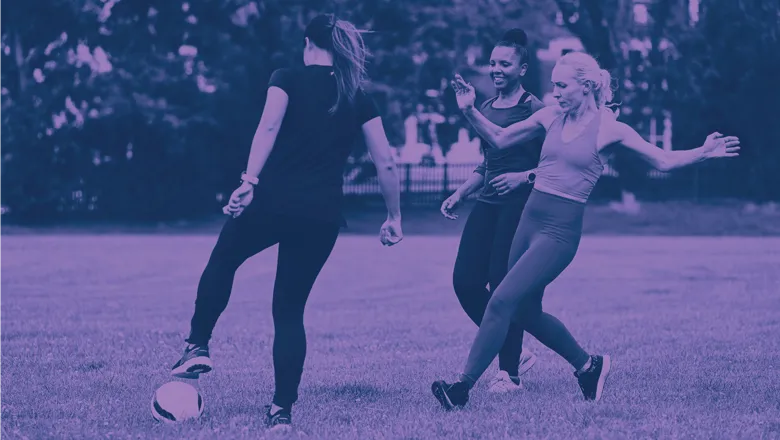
(239, 200)
(464, 93)
(449, 205)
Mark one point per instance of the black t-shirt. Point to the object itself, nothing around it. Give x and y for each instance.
(303, 175)
(517, 158)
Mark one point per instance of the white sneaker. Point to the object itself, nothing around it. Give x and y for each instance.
(527, 360)
(501, 383)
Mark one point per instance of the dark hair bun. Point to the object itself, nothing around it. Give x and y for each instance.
(516, 36)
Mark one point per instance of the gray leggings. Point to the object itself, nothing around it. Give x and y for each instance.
(545, 243)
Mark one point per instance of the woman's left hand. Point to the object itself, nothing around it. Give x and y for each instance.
(718, 145)
(391, 233)
(239, 200)
(508, 182)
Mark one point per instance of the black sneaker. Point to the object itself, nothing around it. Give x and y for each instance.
(592, 380)
(193, 363)
(280, 420)
(451, 396)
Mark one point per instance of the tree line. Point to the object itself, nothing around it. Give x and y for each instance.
(144, 110)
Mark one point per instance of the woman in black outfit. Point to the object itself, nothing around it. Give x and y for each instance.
(291, 195)
(483, 254)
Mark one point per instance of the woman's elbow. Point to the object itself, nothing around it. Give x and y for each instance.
(386, 166)
(383, 161)
(268, 128)
(663, 164)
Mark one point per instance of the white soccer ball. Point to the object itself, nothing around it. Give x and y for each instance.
(176, 402)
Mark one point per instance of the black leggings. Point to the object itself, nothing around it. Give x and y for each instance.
(545, 243)
(304, 246)
(482, 260)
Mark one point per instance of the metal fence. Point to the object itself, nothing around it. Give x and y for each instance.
(422, 184)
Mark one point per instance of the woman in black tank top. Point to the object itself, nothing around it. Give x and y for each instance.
(487, 236)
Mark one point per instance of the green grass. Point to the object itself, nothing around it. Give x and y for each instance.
(91, 324)
(668, 218)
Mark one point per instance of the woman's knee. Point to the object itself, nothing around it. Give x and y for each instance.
(288, 320)
(500, 306)
(222, 266)
(288, 308)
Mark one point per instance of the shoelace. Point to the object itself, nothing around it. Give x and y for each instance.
(197, 349)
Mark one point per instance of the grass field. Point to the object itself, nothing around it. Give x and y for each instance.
(91, 324)
(667, 218)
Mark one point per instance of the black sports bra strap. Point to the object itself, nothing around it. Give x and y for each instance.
(525, 97)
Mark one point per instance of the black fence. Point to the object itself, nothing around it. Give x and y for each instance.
(422, 184)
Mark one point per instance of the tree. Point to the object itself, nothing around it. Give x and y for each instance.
(145, 110)
(725, 81)
(590, 21)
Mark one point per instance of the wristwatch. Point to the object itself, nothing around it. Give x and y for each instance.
(531, 177)
(248, 179)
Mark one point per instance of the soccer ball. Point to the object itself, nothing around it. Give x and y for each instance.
(176, 402)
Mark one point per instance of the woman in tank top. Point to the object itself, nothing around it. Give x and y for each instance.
(578, 132)
(487, 236)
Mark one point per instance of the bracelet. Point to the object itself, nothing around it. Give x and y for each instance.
(251, 180)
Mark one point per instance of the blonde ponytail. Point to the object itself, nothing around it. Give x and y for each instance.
(588, 71)
(349, 61)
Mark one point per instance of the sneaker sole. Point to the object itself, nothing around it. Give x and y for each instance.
(605, 367)
(441, 395)
(193, 368)
(527, 365)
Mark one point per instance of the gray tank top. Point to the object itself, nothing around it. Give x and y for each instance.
(570, 169)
